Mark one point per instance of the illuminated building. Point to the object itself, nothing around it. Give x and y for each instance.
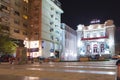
(36, 22)
(14, 18)
(51, 26)
(45, 31)
(96, 39)
(69, 39)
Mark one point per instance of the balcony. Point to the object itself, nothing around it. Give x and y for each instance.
(94, 38)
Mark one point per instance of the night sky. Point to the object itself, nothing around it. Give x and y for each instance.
(83, 11)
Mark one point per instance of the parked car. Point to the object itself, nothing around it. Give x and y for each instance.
(5, 57)
(116, 57)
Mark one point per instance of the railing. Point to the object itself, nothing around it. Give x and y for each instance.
(94, 38)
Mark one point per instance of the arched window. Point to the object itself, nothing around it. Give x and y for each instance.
(102, 47)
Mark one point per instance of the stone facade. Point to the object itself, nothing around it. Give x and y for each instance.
(96, 39)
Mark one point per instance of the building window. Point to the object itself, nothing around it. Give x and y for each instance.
(52, 8)
(25, 25)
(56, 26)
(25, 9)
(56, 19)
(16, 31)
(57, 39)
(88, 35)
(3, 7)
(94, 35)
(57, 12)
(102, 47)
(5, 28)
(17, 3)
(16, 13)
(24, 33)
(95, 48)
(25, 16)
(52, 37)
(101, 34)
(26, 1)
(52, 16)
(16, 21)
(88, 49)
(36, 33)
(6, 1)
(51, 23)
(51, 29)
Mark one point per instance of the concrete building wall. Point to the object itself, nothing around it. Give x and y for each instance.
(51, 31)
(33, 20)
(69, 44)
(13, 13)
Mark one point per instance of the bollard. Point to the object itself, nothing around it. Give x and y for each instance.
(118, 70)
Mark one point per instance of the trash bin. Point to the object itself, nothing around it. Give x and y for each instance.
(118, 70)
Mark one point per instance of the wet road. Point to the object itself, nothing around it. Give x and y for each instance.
(103, 70)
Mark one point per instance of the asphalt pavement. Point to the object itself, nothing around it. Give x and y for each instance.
(94, 70)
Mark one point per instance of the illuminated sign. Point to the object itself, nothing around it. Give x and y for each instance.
(95, 21)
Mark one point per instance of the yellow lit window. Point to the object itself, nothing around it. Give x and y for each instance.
(25, 16)
(25, 1)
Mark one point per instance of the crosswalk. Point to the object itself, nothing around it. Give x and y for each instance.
(103, 67)
(93, 70)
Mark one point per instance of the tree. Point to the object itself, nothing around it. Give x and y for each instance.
(6, 44)
(9, 47)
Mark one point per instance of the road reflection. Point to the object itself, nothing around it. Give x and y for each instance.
(90, 67)
(78, 71)
(31, 78)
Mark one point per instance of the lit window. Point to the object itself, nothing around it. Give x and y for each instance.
(25, 1)
(25, 16)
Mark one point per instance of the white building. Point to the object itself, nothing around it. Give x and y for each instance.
(96, 39)
(51, 27)
(45, 22)
(69, 38)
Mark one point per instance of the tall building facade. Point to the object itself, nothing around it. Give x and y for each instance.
(69, 39)
(51, 26)
(36, 22)
(14, 18)
(96, 39)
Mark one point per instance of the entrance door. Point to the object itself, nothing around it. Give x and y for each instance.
(95, 49)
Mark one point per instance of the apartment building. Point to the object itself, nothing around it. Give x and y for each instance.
(51, 26)
(14, 18)
(36, 22)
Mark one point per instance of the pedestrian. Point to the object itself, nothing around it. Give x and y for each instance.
(10, 60)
